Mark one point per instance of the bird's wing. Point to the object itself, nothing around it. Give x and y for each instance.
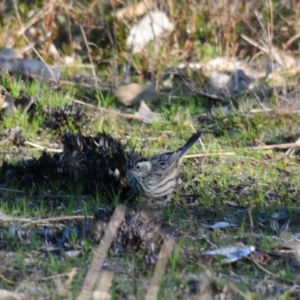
(164, 162)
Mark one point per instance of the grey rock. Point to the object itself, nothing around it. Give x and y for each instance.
(9, 54)
(36, 68)
(10, 65)
(13, 61)
(10, 59)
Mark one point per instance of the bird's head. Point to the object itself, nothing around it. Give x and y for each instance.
(138, 166)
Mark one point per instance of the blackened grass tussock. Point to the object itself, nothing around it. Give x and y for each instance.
(139, 231)
(156, 176)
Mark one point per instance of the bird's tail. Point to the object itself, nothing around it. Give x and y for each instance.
(191, 141)
(177, 156)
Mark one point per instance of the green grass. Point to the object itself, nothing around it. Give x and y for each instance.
(245, 179)
(249, 186)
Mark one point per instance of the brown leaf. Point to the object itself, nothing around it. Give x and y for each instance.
(146, 115)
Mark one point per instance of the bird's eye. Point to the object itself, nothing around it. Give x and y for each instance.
(138, 167)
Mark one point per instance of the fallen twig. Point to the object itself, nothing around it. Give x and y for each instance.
(56, 276)
(43, 148)
(60, 196)
(265, 147)
(160, 266)
(291, 151)
(7, 218)
(55, 219)
(100, 254)
(210, 154)
(106, 110)
(10, 190)
(274, 111)
(262, 268)
(7, 281)
(89, 53)
(275, 146)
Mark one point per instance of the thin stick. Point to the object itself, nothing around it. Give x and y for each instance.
(42, 148)
(7, 281)
(27, 40)
(266, 147)
(29, 43)
(210, 154)
(262, 268)
(55, 219)
(12, 219)
(276, 146)
(53, 196)
(291, 40)
(107, 110)
(160, 266)
(274, 111)
(241, 293)
(100, 254)
(54, 276)
(290, 151)
(10, 190)
(89, 54)
(34, 20)
(251, 219)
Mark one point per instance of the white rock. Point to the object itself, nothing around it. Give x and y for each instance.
(218, 80)
(153, 25)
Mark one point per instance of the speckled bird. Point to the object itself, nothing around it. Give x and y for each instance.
(156, 176)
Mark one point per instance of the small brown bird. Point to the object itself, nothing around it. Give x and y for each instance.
(155, 176)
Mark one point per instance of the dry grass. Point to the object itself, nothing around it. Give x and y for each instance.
(241, 188)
